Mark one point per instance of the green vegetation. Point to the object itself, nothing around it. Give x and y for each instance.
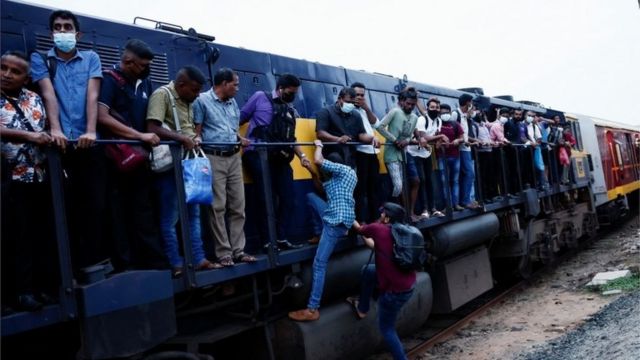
(626, 284)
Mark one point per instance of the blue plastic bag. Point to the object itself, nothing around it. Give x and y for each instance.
(537, 158)
(196, 173)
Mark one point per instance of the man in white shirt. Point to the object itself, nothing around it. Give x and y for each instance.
(367, 164)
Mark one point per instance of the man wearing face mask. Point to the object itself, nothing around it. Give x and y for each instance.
(342, 123)
(449, 156)
(258, 111)
(70, 95)
(122, 110)
(464, 115)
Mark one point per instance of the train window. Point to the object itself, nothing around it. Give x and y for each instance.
(619, 154)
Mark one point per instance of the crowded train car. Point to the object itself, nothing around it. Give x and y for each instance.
(523, 201)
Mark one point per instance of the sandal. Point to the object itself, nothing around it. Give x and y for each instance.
(425, 214)
(208, 265)
(226, 261)
(353, 302)
(246, 258)
(437, 213)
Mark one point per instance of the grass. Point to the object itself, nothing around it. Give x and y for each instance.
(625, 284)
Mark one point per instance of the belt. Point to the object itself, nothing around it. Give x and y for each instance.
(225, 153)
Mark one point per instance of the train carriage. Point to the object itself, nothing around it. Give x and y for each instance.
(138, 313)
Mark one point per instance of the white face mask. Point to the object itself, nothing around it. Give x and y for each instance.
(347, 107)
(503, 119)
(65, 42)
(529, 119)
(445, 117)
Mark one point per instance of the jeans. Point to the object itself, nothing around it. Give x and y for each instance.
(368, 284)
(328, 240)
(453, 173)
(468, 177)
(169, 218)
(389, 305)
(317, 205)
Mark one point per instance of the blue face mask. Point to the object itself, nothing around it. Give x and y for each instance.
(65, 42)
(347, 107)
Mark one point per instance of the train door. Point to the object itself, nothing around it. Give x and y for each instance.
(615, 151)
(633, 155)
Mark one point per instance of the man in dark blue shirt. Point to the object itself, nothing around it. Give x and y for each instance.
(122, 110)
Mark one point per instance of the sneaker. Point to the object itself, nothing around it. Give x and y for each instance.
(305, 315)
(458, 208)
(473, 205)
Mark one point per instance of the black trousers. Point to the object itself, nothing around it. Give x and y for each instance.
(489, 174)
(135, 241)
(366, 191)
(29, 253)
(85, 196)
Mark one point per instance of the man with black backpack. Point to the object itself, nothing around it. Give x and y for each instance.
(122, 111)
(272, 118)
(393, 273)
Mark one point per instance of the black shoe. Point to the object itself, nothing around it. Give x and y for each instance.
(27, 302)
(286, 245)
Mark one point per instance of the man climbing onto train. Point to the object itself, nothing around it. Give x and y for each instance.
(338, 218)
(395, 286)
(69, 81)
(178, 95)
(217, 119)
(272, 118)
(122, 111)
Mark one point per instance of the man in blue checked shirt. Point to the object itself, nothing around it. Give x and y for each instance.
(339, 182)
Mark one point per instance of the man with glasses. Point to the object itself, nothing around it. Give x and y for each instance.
(342, 123)
(69, 80)
(122, 109)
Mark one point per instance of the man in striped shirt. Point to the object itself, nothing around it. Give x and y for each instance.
(338, 218)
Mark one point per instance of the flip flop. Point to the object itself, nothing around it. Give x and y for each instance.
(353, 302)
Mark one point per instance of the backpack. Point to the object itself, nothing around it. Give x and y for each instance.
(52, 65)
(282, 128)
(409, 252)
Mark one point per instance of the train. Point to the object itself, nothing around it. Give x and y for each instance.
(240, 312)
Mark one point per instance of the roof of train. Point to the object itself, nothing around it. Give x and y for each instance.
(605, 122)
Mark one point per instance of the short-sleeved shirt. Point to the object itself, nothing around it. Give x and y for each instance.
(396, 125)
(220, 119)
(339, 189)
(259, 111)
(70, 82)
(417, 150)
(497, 131)
(367, 149)
(160, 110)
(129, 100)
(26, 159)
(484, 136)
(337, 123)
(452, 130)
(390, 277)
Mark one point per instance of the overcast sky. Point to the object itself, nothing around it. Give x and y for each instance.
(578, 56)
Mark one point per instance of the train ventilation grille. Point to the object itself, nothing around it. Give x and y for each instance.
(110, 55)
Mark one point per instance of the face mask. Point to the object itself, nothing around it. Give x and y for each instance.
(347, 107)
(529, 119)
(503, 119)
(287, 97)
(65, 42)
(433, 113)
(445, 117)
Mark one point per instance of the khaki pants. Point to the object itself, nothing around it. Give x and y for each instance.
(228, 198)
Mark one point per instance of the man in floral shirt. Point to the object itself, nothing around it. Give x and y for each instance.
(24, 205)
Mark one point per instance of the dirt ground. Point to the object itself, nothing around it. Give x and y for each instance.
(553, 305)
